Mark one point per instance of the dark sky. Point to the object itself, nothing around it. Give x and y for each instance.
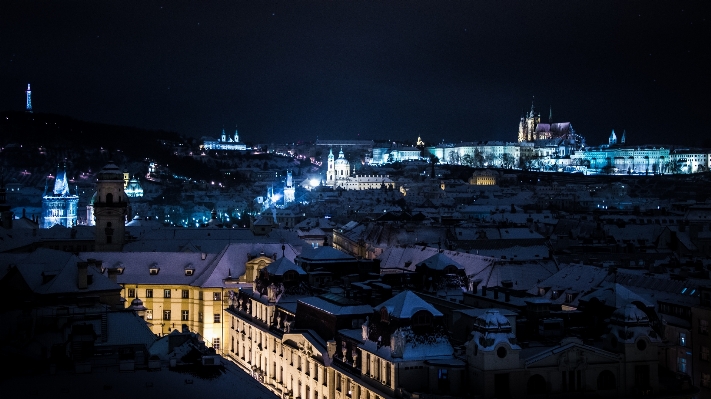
(296, 70)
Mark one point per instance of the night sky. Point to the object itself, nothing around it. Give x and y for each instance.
(296, 70)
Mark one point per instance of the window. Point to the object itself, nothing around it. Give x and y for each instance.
(149, 314)
(443, 379)
(166, 293)
(149, 293)
(703, 327)
(704, 353)
(185, 315)
(186, 294)
(217, 318)
(681, 364)
(706, 380)
(200, 295)
(216, 343)
(166, 315)
(131, 293)
(682, 339)
(216, 296)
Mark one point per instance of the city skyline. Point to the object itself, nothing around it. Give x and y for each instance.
(288, 72)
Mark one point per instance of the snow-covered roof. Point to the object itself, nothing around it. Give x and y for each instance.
(336, 309)
(281, 266)
(439, 261)
(406, 304)
(324, 254)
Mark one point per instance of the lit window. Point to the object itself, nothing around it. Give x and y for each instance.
(216, 343)
(131, 293)
(149, 293)
(149, 314)
(217, 318)
(216, 296)
(166, 315)
(166, 293)
(186, 294)
(185, 315)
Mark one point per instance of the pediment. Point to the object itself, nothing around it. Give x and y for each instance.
(570, 356)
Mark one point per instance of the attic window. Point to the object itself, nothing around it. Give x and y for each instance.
(153, 270)
(189, 272)
(568, 298)
(422, 318)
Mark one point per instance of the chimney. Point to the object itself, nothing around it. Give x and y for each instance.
(203, 256)
(483, 290)
(496, 292)
(113, 272)
(82, 275)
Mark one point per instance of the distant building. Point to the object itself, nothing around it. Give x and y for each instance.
(483, 178)
(59, 207)
(226, 143)
(134, 189)
(338, 175)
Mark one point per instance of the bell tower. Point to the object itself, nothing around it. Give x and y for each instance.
(110, 207)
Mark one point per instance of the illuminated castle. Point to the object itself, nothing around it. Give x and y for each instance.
(59, 206)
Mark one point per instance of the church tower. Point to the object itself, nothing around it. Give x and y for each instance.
(28, 105)
(224, 136)
(613, 138)
(624, 137)
(528, 124)
(331, 171)
(236, 135)
(110, 208)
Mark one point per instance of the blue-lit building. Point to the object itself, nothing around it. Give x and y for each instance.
(59, 206)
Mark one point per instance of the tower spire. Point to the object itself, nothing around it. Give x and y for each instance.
(550, 114)
(28, 105)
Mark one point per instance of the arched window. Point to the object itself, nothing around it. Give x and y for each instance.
(606, 380)
(536, 385)
(109, 198)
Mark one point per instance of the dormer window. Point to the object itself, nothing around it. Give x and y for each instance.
(153, 269)
(189, 272)
(422, 318)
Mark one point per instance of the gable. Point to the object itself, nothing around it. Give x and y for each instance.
(570, 356)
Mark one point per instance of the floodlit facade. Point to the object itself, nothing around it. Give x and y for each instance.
(338, 175)
(225, 142)
(59, 207)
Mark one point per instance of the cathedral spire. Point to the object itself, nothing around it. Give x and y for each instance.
(550, 114)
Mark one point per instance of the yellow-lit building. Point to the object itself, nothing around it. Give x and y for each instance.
(190, 289)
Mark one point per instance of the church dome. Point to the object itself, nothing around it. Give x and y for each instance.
(630, 315)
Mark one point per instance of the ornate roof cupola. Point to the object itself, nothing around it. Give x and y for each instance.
(110, 208)
(631, 334)
(493, 343)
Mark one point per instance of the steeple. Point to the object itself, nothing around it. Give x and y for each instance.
(236, 135)
(224, 136)
(28, 105)
(613, 138)
(622, 139)
(550, 115)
